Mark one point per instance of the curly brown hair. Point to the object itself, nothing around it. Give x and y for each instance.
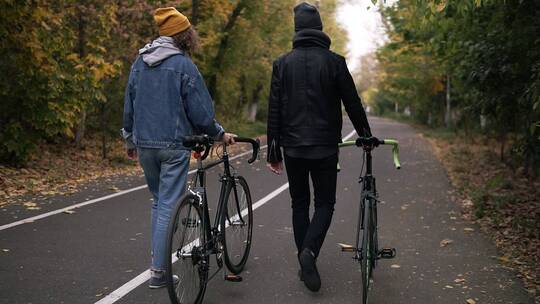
(187, 41)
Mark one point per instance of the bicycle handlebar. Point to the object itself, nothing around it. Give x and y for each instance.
(395, 151)
(200, 142)
(360, 142)
(255, 145)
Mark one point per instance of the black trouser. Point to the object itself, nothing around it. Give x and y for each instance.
(311, 234)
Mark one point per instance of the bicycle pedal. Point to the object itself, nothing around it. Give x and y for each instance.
(387, 253)
(233, 278)
(346, 247)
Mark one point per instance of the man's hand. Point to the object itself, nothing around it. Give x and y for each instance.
(228, 138)
(132, 154)
(370, 143)
(277, 168)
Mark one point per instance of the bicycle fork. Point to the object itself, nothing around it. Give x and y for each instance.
(368, 196)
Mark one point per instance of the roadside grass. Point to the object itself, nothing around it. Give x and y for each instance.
(253, 129)
(504, 202)
(58, 169)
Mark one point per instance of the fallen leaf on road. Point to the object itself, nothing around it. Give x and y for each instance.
(459, 280)
(69, 211)
(471, 301)
(468, 229)
(504, 259)
(467, 203)
(47, 193)
(29, 204)
(446, 242)
(396, 266)
(114, 188)
(5, 250)
(448, 286)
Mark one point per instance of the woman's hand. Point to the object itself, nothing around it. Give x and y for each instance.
(277, 168)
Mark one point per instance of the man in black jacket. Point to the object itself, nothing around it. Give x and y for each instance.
(305, 118)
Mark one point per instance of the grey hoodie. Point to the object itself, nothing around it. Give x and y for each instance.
(157, 51)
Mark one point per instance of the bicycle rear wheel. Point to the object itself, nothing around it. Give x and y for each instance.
(186, 239)
(367, 258)
(237, 225)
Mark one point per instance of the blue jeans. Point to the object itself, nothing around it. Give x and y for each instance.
(165, 171)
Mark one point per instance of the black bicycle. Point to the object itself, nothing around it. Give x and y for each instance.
(366, 251)
(192, 238)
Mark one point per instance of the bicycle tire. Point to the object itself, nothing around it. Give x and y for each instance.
(367, 258)
(237, 225)
(188, 215)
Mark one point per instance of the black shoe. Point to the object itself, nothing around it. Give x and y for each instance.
(310, 274)
(158, 280)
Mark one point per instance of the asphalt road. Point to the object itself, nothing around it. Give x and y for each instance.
(85, 256)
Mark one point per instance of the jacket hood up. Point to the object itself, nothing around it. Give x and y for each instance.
(306, 16)
(160, 49)
(310, 37)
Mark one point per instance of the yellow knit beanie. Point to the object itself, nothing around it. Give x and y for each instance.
(170, 21)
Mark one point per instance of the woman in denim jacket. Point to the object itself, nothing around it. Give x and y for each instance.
(166, 99)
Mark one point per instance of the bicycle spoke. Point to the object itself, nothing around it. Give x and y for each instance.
(188, 234)
(238, 224)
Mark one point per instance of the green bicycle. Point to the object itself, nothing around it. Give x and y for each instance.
(366, 251)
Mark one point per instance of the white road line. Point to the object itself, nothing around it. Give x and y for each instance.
(96, 200)
(145, 276)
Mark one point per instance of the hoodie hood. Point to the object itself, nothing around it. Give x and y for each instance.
(160, 49)
(310, 38)
(306, 16)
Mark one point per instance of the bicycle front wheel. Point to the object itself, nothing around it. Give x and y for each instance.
(186, 240)
(237, 225)
(367, 258)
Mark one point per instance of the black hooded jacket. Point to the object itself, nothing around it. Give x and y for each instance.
(308, 85)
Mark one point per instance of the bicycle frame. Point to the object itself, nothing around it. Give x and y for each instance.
(368, 195)
(213, 232)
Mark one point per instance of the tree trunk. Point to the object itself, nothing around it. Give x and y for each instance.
(483, 122)
(502, 140)
(195, 11)
(243, 95)
(223, 45)
(103, 130)
(448, 113)
(81, 128)
(253, 106)
(396, 107)
(252, 111)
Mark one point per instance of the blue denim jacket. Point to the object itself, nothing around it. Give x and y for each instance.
(166, 102)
